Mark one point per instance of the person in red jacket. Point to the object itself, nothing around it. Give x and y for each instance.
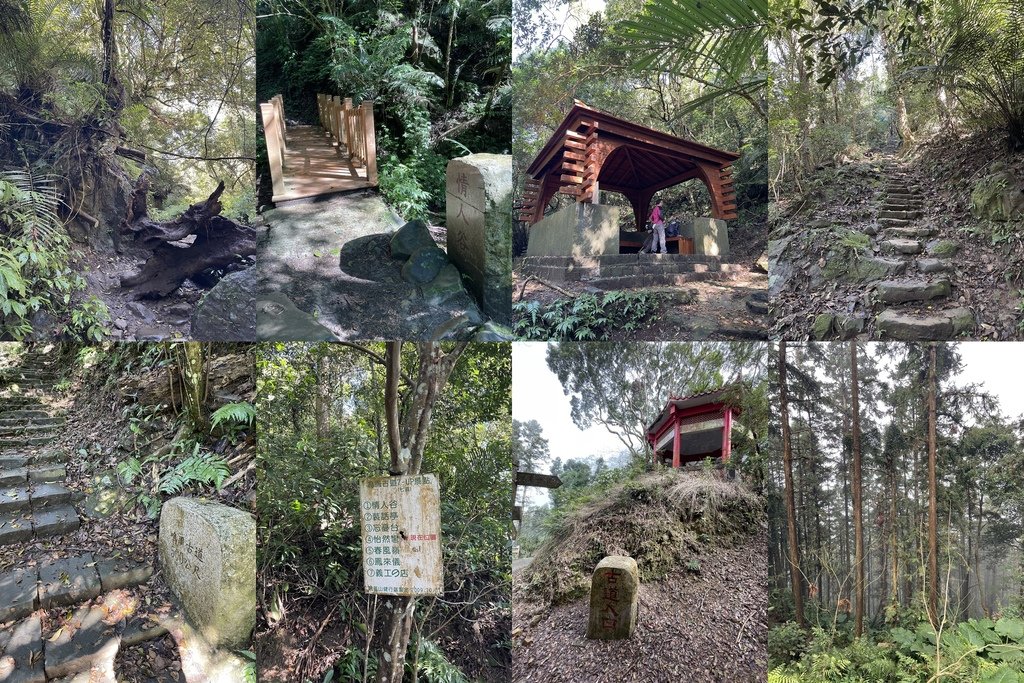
(658, 221)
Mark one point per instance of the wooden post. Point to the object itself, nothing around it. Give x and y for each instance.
(726, 434)
(282, 127)
(335, 127)
(347, 120)
(320, 108)
(275, 155)
(369, 142)
(676, 443)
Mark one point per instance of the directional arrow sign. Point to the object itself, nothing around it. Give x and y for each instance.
(547, 481)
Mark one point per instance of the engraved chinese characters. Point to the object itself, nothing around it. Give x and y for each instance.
(208, 555)
(613, 599)
(401, 525)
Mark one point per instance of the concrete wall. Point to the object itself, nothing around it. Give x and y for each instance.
(577, 230)
(710, 237)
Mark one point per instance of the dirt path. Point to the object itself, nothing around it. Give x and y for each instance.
(708, 625)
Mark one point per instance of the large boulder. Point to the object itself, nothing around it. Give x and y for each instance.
(446, 285)
(410, 238)
(278, 319)
(424, 264)
(208, 555)
(228, 311)
(999, 196)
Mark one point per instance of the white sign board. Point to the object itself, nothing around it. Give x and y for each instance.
(401, 522)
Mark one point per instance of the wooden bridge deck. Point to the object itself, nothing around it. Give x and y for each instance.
(315, 165)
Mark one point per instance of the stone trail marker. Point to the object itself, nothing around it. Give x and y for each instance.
(478, 207)
(613, 599)
(208, 552)
(401, 524)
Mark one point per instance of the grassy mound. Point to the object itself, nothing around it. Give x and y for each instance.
(660, 519)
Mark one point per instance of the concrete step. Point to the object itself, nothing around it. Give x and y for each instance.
(902, 197)
(924, 326)
(906, 215)
(642, 281)
(49, 521)
(910, 233)
(20, 650)
(31, 420)
(24, 415)
(29, 429)
(33, 496)
(895, 222)
(912, 289)
(7, 442)
(24, 475)
(901, 246)
(65, 581)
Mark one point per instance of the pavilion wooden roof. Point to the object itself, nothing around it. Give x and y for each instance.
(594, 149)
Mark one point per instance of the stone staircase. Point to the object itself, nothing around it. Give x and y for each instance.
(628, 271)
(912, 297)
(101, 616)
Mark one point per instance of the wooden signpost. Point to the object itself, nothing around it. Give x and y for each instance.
(547, 481)
(401, 524)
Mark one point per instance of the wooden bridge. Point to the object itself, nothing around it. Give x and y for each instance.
(307, 161)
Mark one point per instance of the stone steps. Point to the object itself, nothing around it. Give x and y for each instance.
(37, 523)
(666, 280)
(901, 246)
(896, 213)
(25, 475)
(31, 420)
(38, 430)
(7, 442)
(661, 266)
(912, 289)
(85, 640)
(924, 326)
(910, 233)
(15, 460)
(33, 496)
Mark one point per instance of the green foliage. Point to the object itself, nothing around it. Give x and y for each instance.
(585, 317)
(722, 46)
(434, 667)
(35, 272)
(786, 643)
(170, 473)
(243, 413)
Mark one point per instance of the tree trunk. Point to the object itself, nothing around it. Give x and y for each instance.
(407, 438)
(219, 243)
(933, 533)
(787, 460)
(193, 381)
(858, 525)
(323, 400)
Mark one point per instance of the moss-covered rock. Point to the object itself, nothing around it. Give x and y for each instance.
(943, 248)
(999, 196)
(822, 328)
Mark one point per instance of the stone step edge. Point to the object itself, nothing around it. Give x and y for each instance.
(105, 577)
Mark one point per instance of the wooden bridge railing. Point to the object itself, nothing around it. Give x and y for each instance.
(277, 144)
(351, 126)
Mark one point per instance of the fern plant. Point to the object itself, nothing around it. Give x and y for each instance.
(238, 413)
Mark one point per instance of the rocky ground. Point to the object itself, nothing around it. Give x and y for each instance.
(928, 245)
(328, 271)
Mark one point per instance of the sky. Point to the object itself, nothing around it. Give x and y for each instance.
(538, 395)
(569, 16)
(999, 368)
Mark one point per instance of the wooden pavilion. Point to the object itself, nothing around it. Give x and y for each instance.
(593, 151)
(694, 428)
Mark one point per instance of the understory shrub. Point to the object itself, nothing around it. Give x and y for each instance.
(585, 317)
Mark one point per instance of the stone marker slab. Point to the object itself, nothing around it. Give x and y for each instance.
(85, 642)
(478, 206)
(68, 581)
(51, 521)
(208, 554)
(19, 653)
(17, 593)
(14, 527)
(613, 599)
(710, 236)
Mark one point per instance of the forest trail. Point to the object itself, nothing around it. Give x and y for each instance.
(888, 247)
(71, 606)
(330, 259)
(916, 300)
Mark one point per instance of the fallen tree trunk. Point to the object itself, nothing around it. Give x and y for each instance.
(219, 243)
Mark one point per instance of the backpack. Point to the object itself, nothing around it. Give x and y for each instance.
(672, 229)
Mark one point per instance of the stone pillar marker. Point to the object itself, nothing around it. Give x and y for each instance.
(613, 599)
(208, 553)
(478, 200)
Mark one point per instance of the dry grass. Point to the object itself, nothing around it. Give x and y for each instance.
(660, 519)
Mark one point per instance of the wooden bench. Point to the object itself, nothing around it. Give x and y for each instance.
(675, 245)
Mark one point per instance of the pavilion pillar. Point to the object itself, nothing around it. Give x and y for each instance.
(642, 208)
(676, 439)
(726, 434)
